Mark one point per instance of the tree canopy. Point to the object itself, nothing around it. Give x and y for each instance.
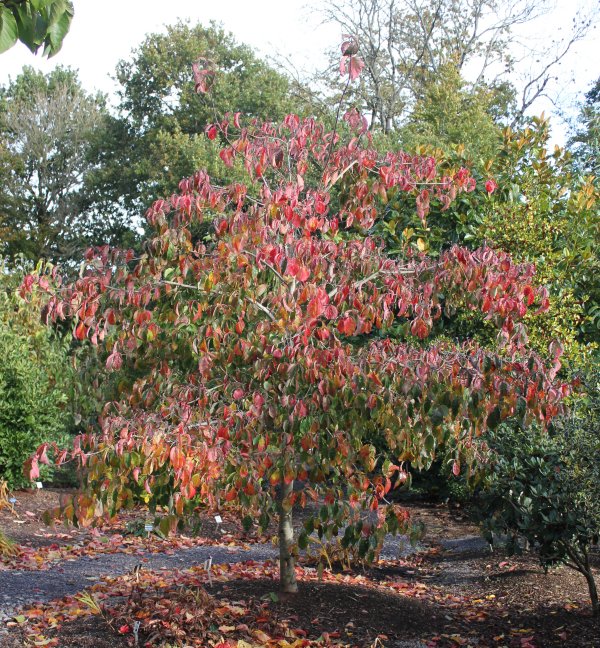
(47, 128)
(406, 45)
(586, 140)
(157, 137)
(273, 352)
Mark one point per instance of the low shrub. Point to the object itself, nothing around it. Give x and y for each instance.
(543, 490)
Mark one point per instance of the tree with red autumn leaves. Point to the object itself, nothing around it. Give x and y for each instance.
(271, 354)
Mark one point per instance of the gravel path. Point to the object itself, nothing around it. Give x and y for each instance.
(22, 588)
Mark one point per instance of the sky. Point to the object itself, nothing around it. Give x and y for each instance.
(104, 32)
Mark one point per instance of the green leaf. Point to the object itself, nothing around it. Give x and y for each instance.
(8, 29)
(26, 26)
(38, 5)
(493, 419)
(438, 414)
(60, 22)
(521, 407)
(303, 540)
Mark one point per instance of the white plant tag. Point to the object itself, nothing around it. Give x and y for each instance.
(148, 527)
(218, 519)
(39, 485)
(136, 629)
(206, 565)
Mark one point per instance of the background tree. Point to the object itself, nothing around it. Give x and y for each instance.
(47, 125)
(585, 143)
(405, 44)
(532, 201)
(36, 382)
(449, 114)
(545, 212)
(37, 23)
(158, 137)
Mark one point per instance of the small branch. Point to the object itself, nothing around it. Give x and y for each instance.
(337, 118)
(273, 270)
(262, 307)
(197, 288)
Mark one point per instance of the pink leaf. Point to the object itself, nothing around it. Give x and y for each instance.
(356, 65)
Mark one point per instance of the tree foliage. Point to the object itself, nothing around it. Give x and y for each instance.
(265, 355)
(35, 382)
(406, 44)
(450, 115)
(585, 143)
(158, 137)
(36, 23)
(47, 126)
(545, 212)
(533, 202)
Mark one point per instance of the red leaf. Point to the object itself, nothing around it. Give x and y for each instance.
(292, 267)
(203, 75)
(419, 328)
(303, 273)
(177, 458)
(31, 470)
(315, 307)
(346, 325)
(80, 331)
(227, 156)
(491, 186)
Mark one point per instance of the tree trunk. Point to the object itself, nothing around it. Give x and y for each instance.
(589, 577)
(287, 561)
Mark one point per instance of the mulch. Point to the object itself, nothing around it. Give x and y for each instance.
(446, 598)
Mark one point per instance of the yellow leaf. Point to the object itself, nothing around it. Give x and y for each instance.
(261, 636)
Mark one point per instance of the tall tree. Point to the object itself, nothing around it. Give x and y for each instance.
(36, 23)
(450, 114)
(158, 137)
(47, 124)
(405, 44)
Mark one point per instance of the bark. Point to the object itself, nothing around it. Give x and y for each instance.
(589, 577)
(582, 565)
(287, 560)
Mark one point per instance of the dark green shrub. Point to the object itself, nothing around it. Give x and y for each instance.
(545, 489)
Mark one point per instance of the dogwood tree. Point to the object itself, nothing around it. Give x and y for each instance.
(259, 364)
